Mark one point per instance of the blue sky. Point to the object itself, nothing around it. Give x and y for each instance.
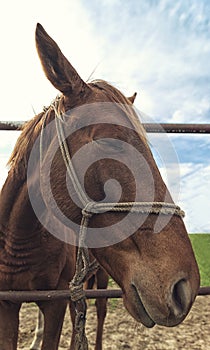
(161, 49)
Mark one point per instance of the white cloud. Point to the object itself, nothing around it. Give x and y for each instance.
(193, 194)
(192, 111)
(24, 86)
(7, 141)
(148, 49)
(195, 197)
(159, 48)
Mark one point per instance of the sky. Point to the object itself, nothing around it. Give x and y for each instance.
(159, 48)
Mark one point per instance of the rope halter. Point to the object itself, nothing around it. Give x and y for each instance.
(83, 266)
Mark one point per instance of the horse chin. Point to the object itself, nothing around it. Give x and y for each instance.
(135, 307)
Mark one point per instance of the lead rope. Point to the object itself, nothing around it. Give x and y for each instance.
(77, 293)
(84, 268)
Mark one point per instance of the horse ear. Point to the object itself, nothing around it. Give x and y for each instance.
(56, 66)
(132, 98)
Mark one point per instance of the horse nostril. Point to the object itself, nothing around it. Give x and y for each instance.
(181, 296)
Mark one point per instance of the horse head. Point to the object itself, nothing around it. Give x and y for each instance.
(147, 253)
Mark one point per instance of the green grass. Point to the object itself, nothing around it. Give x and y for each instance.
(201, 247)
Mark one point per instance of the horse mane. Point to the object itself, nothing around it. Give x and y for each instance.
(31, 129)
(20, 154)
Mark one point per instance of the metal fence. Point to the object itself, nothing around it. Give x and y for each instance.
(150, 127)
(28, 296)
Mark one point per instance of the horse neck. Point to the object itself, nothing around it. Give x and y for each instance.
(16, 214)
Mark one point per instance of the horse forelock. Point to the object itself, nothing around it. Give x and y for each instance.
(117, 96)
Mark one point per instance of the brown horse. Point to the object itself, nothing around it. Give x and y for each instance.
(148, 253)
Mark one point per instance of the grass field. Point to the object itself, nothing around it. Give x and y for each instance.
(201, 246)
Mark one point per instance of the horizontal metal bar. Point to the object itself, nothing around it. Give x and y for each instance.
(10, 125)
(177, 128)
(103, 293)
(29, 296)
(204, 291)
(149, 127)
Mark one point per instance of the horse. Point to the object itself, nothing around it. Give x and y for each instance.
(130, 225)
(99, 280)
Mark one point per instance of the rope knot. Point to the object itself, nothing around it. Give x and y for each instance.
(76, 292)
(86, 213)
(87, 210)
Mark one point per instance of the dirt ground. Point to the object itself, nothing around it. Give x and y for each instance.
(122, 332)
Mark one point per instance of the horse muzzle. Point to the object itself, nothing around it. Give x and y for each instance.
(168, 308)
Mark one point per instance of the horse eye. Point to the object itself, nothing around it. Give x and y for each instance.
(112, 145)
